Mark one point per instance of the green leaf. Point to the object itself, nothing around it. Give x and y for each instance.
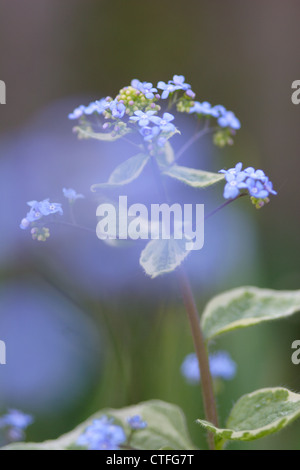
(166, 157)
(166, 429)
(88, 133)
(163, 256)
(125, 173)
(193, 177)
(258, 414)
(246, 306)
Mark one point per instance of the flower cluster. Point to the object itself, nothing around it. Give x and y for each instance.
(254, 181)
(14, 423)
(221, 366)
(224, 118)
(136, 422)
(103, 434)
(138, 105)
(39, 210)
(177, 83)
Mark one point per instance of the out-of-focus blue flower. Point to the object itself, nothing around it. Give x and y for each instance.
(144, 87)
(72, 195)
(164, 123)
(255, 174)
(117, 108)
(167, 89)
(269, 186)
(136, 422)
(221, 366)
(179, 81)
(142, 118)
(40, 209)
(204, 108)
(149, 133)
(135, 83)
(229, 119)
(98, 106)
(16, 419)
(46, 207)
(102, 435)
(148, 90)
(77, 113)
(225, 118)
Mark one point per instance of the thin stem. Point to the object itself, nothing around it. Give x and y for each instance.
(131, 142)
(205, 130)
(201, 352)
(72, 215)
(194, 321)
(69, 224)
(224, 205)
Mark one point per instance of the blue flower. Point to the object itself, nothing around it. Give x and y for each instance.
(148, 90)
(164, 123)
(144, 87)
(233, 171)
(221, 366)
(254, 181)
(91, 108)
(16, 419)
(142, 118)
(72, 195)
(45, 207)
(256, 188)
(233, 185)
(149, 133)
(255, 174)
(77, 113)
(98, 106)
(269, 186)
(228, 119)
(102, 435)
(179, 81)
(167, 89)
(136, 422)
(117, 108)
(204, 108)
(38, 210)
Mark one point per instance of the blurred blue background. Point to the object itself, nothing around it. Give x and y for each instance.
(84, 327)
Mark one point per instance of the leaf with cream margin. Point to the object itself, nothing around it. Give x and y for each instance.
(125, 173)
(193, 177)
(246, 306)
(257, 415)
(163, 256)
(166, 428)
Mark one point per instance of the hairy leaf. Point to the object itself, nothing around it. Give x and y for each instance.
(246, 306)
(258, 414)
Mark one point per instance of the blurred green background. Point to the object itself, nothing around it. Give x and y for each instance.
(240, 54)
